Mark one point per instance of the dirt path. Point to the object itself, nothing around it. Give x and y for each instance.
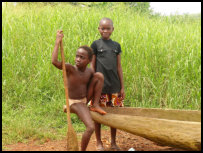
(124, 140)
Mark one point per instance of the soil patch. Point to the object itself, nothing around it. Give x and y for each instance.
(124, 140)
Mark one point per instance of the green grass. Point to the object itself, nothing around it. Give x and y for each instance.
(161, 63)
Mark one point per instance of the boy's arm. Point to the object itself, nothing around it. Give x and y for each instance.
(93, 62)
(92, 65)
(120, 74)
(55, 61)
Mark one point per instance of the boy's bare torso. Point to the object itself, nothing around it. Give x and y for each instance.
(78, 82)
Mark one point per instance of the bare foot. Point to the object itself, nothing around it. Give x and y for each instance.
(97, 109)
(115, 147)
(100, 147)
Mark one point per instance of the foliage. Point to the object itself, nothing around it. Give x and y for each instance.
(143, 7)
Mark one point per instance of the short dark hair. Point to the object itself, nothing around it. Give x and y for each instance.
(106, 19)
(89, 51)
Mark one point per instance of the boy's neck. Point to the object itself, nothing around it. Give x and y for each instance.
(105, 38)
(82, 69)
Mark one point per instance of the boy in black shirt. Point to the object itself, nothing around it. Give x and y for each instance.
(107, 60)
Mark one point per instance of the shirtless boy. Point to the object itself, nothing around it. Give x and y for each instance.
(83, 85)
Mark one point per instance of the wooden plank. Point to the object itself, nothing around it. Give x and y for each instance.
(170, 114)
(175, 133)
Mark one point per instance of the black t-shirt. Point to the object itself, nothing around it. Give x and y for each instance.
(106, 52)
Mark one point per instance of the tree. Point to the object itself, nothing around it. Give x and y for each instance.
(142, 7)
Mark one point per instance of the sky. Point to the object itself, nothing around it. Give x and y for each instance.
(171, 8)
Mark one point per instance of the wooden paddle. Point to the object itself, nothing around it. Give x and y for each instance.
(72, 143)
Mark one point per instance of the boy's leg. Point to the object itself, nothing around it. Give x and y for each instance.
(113, 139)
(83, 113)
(94, 92)
(118, 102)
(98, 136)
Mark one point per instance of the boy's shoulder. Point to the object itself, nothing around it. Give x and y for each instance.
(90, 70)
(115, 42)
(101, 40)
(96, 41)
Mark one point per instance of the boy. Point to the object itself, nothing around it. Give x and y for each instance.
(83, 85)
(107, 60)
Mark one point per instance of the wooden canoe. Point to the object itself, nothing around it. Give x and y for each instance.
(176, 128)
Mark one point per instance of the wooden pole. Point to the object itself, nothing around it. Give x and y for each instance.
(72, 143)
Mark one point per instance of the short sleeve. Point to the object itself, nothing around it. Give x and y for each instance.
(94, 47)
(119, 49)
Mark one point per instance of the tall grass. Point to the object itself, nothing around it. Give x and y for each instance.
(161, 61)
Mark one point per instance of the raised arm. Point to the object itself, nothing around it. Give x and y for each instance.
(55, 61)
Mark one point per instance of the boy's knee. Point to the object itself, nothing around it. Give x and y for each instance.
(99, 76)
(91, 128)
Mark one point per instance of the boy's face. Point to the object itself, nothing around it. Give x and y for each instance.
(105, 28)
(81, 58)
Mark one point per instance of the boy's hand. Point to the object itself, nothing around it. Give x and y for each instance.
(122, 94)
(59, 36)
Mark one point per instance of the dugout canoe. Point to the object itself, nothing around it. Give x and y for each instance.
(175, 128)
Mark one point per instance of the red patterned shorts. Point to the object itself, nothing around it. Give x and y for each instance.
(110, 100)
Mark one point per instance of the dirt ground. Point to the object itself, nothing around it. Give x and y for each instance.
(124, 140)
